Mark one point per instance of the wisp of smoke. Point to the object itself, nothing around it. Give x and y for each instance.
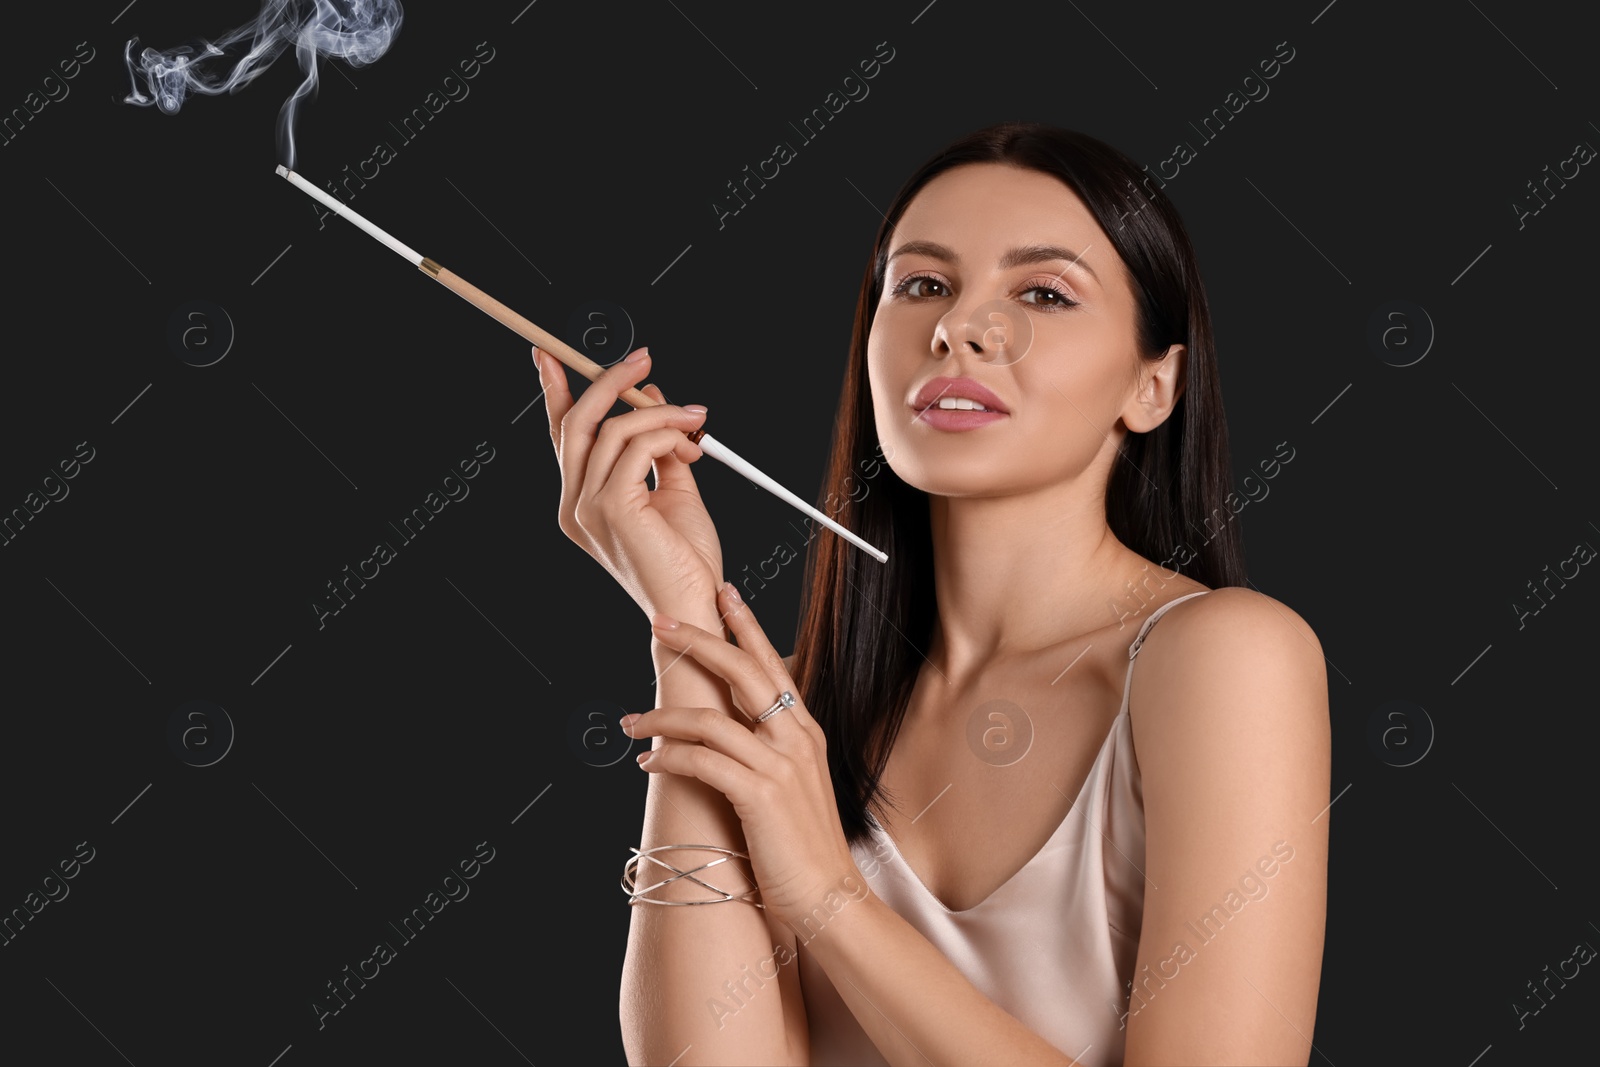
(356, 31)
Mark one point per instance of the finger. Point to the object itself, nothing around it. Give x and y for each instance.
(580, 421)
(726, 775)
(750, 636)
(557, 396)
(752, 686)
(710, 727)
(626, 478)
(618, 433)
(753, 639)
(672, 472)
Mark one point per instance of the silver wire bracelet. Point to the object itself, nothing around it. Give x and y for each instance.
(630, 872)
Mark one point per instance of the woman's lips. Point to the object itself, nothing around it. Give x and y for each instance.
(935, 389)
(957, 419)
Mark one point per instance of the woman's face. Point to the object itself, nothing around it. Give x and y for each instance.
(1000, 275)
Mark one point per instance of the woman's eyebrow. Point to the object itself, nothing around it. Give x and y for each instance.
(1018, 257)
(1015, 257)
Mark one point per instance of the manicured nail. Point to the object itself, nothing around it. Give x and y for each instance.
(629, 720)
(664, 622)
(698, 409)
(733, 594)
(644, 757)
(639, 356)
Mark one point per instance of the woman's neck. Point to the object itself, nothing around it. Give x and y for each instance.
(1022, 572)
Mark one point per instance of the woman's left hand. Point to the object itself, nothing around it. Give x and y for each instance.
(774, 774)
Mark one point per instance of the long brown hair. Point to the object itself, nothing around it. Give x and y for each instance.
(862, 622)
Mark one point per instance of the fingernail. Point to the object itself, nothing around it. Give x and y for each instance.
(664, 622)
(698, 409)
(733, 594)
(629, 720)
(644, 757)
(638, 356)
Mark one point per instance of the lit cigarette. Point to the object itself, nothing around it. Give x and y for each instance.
(565, 353)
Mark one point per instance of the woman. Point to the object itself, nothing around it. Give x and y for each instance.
(978, 836)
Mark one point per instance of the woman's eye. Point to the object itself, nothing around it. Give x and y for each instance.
(916, 286)
(1048, 296)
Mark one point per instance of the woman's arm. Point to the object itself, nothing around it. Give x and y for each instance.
(1230, 723)
(679, 957)
(909, 998)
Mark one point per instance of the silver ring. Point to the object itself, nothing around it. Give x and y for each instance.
(785, 700)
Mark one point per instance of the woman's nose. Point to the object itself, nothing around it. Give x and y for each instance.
(960, 328)
(993, 330)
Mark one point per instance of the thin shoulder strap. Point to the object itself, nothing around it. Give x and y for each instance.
(1138, 642)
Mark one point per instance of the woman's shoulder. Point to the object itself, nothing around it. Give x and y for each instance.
(1233, 615)
(1228, 654)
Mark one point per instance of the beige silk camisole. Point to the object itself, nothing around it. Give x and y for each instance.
(1055, 945)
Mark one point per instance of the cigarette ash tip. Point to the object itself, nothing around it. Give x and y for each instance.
(283, 171)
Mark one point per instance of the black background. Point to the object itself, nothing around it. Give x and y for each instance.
(426, 716)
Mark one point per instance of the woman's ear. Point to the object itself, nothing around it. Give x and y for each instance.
(1161, 383)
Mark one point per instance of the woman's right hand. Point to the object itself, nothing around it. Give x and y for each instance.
(660, 544)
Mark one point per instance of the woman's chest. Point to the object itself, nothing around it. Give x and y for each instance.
(983, 778)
